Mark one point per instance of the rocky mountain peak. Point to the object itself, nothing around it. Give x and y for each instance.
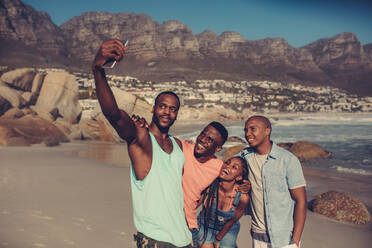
(174, 26)
(231, 36)
(21, 22)
(170, 50)
(341, 51)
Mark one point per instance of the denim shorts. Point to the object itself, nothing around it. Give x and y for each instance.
(228, 241)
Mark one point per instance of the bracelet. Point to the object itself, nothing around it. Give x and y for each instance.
(216, 241)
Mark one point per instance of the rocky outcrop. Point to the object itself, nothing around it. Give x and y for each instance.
(55, 93)
(305, 150)
(342, 207)
(232, 151)
(235, 139)
(29, 130)
(170, 51)
(344, 60)
(343, 51)
(54, 115)
(60, 93)
(96, 125)
(217, 113)
(368, 50)
(20, 22)
(30, 104)
(4, 105)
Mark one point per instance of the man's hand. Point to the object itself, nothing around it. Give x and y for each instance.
(109, 50)
(140, 122)
(245, 187)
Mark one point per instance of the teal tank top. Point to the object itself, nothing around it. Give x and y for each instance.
(158, 200)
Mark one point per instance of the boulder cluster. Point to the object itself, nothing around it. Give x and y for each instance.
(43, 107)
(305, 150)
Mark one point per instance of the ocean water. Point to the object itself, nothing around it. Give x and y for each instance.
(348, 137)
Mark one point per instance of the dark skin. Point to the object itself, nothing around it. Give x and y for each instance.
(208, 142)
(258, 136)
(138, 138)
(228, 185)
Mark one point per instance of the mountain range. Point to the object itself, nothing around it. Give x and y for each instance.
(170, 51)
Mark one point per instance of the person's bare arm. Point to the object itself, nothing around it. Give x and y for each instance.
(137, 137)
(119, 119)
(299, 216)
(239, 211)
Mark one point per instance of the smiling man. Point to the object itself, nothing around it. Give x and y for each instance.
(201, 167)
(278, 196)
(157, 160)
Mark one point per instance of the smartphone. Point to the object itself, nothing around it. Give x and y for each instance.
(112, 63)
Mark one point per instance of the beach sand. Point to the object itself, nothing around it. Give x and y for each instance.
(78, 195)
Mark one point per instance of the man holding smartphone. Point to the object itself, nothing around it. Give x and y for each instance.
(156, 160)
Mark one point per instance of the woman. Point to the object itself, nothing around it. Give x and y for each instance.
(223, 206)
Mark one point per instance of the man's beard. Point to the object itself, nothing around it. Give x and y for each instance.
(162, 129)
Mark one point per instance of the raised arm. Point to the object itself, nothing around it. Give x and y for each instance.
(239, 211)
(299, 195)
(119, 119)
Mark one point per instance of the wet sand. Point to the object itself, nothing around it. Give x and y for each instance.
(78, 195)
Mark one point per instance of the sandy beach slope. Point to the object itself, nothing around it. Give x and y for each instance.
(51, 197)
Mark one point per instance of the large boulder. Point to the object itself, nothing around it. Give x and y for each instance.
(29, 129)
(217, 113)
(341, 206)
(60, 90)
(21, 79)
(232, 151)
(99, 128)
(37, 83)
(305, 150)
(236, 139)
(8, 137)
(4, 105)
(13, 113)
(13, 96)
(132, 104)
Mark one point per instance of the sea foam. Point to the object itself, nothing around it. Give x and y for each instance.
(352, 171)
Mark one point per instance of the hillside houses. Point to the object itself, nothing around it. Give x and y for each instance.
(257, 96)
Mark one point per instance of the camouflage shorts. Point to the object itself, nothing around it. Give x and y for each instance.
(145, 242)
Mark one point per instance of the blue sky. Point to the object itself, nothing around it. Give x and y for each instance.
(299, 22)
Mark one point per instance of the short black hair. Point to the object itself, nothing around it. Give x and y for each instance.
(221, 129)
(168, 92)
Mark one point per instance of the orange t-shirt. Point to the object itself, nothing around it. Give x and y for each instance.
(196, 177)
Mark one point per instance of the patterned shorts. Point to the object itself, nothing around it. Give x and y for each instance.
(145, 242)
